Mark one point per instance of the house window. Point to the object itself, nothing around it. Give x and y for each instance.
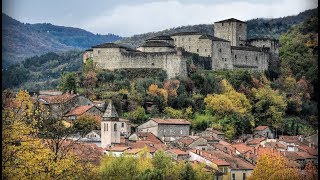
(244, 176)
(235, 56)
(122, 124)
(240, 24)
(208, 55)
(115, 127)
(233, 176)
(239, 38)
(220, 50)
(197, 50)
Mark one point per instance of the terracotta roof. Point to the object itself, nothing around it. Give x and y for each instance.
(275, 145)
(242, 148)
(210, 157)
(230, 20)
(163, 37)
(133, 151)
(210, 138)
(214, 131)
(110, 112)
(291, 155)
(148, 136)
(308, 149)
(118, 148)
(186, 33)
(178, 152)
(261, 128)
(171, 121)
(186, 140)
(289, 139)
(213, 38)
(58, 98)
(306, 155)
(256, 141)
(156, 44)
(78, 110)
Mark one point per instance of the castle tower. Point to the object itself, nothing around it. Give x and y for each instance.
(232, 30)
(110, 126)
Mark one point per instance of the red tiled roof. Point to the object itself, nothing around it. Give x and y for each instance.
(308, 149)
(214, 131)
(58, 98)
(133, 151)
(291, 155)
(171, 121)
(289, 139)
(275, 145)
(211, 158)
(261, 128)
(242, 148)
(79, 110)
(148, 136)
(306, 155)
(178, 152)
(118, 148)
(186, 140)
(256, 141)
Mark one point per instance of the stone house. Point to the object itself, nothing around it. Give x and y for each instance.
(291, 142)
(82, 111)
(209, 132)
(263, 131)
(256, 141)
(178, 154)
(144, 136)
(192, 142)
(59, 105)
(116, 150)
(93, 136)
(166, 129)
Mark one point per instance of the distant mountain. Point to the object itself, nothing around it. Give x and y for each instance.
(259, 27)
(22, 40)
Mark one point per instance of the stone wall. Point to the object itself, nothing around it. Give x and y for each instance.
(235, 32)
(247, 59)
(117, 58)
(221, 55)
(155, 49)
(166, 130)
(188, 42)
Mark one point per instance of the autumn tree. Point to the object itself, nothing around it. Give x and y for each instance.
(274, 166)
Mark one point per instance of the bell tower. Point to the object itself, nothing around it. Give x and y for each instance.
(110, 127)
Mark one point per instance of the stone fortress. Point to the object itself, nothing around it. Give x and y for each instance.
(229, 48)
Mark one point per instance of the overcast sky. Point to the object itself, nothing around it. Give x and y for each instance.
(129, 17)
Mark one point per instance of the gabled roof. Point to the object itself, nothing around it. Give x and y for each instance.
(58, 98)
(308, 149)
(306, 155)
(118, 148)
(186, 140)
(256, 141)
(148, 136)
(97, 132)
(186, 33)
(214, 131)
(171, 121)
(162, 37)
(213, 38)
(156, 44)
(289, 139)
(110, 112)
(178, 152)
(79, 110)
(230, 20)
(291, 155)
(242, 148)
(261, 128)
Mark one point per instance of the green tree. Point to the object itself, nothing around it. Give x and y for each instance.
(68, 82)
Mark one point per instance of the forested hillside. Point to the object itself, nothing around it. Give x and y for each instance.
(256, 28)
(25, 40)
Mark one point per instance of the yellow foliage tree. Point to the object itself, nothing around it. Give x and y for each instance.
(274, 166)
(154, 90)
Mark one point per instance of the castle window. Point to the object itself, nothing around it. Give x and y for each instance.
(205, 50)
(197, 50)
(239, 38)
(220, 50)
(152, 64)
(246, 57)
(115, 127)
(240, 24)
(256, 58)
(122, 124)
(222, 24)
(208, 55)
(189, 47)
(98, 51)
(189, 39)
(235, 56)
(225, 59)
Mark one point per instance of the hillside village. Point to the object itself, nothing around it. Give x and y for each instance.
(226, 158)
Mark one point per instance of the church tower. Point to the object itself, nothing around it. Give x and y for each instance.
(110, 126)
